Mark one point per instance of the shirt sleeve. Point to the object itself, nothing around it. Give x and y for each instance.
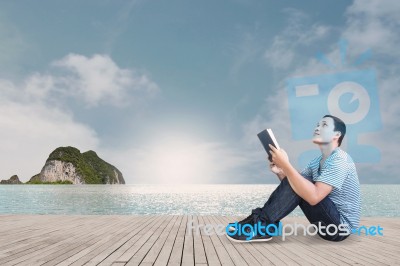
(334, 173)
(307, 172)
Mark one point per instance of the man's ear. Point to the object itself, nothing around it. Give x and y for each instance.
(337, 134)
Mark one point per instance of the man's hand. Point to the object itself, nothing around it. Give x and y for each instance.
(279, 157)
(276, 170)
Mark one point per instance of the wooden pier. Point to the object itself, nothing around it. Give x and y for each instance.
(166, 240)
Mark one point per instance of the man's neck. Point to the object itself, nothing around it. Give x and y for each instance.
(327, 149)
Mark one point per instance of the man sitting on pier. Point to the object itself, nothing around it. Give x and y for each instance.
(327, 190)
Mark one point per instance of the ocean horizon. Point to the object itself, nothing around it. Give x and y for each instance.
(158, 199)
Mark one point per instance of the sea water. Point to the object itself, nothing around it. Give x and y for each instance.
(196, 199)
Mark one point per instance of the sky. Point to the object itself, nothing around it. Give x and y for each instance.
(176, 91)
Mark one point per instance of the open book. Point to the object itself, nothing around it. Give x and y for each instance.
(267, 137)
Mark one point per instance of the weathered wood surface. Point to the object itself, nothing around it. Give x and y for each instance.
(166, 240)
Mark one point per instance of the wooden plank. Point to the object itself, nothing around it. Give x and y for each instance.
(336, 254)
(146, 247)
(29, 250)
(133, 236)
(88, 243)
(62, 247)
(141, 239)
(210, 252)
(155, 250)
(188, 249)
(166, 250)
(111, 246)
(177, 249)
(223, 241)
(198, 246)
(105, 243)
(45, 229)
(237, 251)
(222, 253)
(133, 226)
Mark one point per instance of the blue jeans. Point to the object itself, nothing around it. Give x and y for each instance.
(284, 200)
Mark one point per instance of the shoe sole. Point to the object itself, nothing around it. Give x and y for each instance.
(248, 241)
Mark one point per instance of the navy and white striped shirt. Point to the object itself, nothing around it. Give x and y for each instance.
(340, 172)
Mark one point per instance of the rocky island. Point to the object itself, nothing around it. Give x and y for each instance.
(67, 165)
(12, 180)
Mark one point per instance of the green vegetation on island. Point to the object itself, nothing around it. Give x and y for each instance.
(67, 165)
(89, 165)
(58, 182)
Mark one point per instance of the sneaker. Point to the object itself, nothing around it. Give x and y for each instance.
(248, 220)
(248, 236)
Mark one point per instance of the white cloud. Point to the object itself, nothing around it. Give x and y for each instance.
(374, 24)
(299, 33)
(98, 80)
(279, 56)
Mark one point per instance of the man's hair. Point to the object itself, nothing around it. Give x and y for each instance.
(339, 126)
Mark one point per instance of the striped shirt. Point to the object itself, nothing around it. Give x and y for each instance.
(339, 171)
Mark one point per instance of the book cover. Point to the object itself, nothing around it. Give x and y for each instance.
(267, 137)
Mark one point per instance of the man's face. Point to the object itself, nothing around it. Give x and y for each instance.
(324, 131)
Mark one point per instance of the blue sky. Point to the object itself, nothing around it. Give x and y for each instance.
(176, 91)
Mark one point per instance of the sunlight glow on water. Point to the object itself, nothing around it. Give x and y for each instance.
(378, 200)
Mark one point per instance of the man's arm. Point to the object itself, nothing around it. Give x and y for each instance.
(312, 193)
